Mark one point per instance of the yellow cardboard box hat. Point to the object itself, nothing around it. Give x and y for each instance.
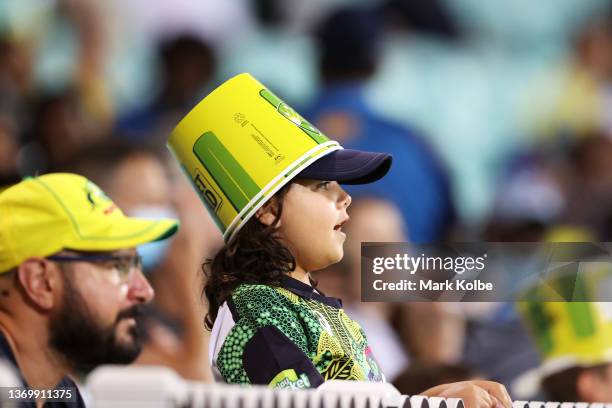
(576, 330)
(242, 143)
(569, 334)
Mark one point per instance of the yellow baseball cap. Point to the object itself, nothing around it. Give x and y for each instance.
(43, 215)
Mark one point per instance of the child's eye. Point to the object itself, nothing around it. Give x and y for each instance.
(323, 185)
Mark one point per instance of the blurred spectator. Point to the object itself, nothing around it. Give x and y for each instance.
(133, 176)
(68, 46)
(576, 99)
(58, 131)
(496, 343)
(555, 185)
(601, 219)
(531, 196)
(15, 87)
(593, 167)
(418, 184)
(55, 111)
(187, 65)
(423, 333)
(344, 280)
(587, 384)
(15, 80)
(467, 95)
(575, 343)
(138, 179)
(589, 185)
(432, 332)
(9, 144)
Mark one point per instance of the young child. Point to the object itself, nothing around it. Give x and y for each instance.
(270, 325)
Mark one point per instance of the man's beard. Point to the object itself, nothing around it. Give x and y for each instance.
(84, 342)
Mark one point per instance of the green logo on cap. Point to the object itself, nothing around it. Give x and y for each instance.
(95, 195)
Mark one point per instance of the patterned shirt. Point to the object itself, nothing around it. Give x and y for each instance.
(291, 336)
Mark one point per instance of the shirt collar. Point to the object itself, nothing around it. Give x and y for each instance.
(309, 292)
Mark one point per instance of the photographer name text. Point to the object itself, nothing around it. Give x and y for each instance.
(432, 285)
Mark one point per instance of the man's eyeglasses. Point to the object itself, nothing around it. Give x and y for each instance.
(124, 264)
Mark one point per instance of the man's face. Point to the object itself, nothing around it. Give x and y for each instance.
(97, 321)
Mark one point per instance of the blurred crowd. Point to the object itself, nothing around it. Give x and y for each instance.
(498, 115)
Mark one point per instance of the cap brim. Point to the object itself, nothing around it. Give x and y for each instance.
(127, 233)
(348, 166)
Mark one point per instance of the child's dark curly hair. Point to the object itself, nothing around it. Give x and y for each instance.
(256, 255)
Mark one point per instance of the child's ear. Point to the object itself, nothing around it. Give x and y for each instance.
(267, 213)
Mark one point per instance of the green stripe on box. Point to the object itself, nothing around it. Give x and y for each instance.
(581, 319)
(540, 324)
(229, 175)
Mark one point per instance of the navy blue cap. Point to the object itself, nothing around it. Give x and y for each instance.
(348, 166)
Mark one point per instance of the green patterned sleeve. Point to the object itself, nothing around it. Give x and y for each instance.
(268, 344)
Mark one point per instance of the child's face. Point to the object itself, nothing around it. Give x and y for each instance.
(311, 222)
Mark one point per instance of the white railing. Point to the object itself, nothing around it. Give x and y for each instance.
(158, 387)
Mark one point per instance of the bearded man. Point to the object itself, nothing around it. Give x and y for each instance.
(71, 284)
